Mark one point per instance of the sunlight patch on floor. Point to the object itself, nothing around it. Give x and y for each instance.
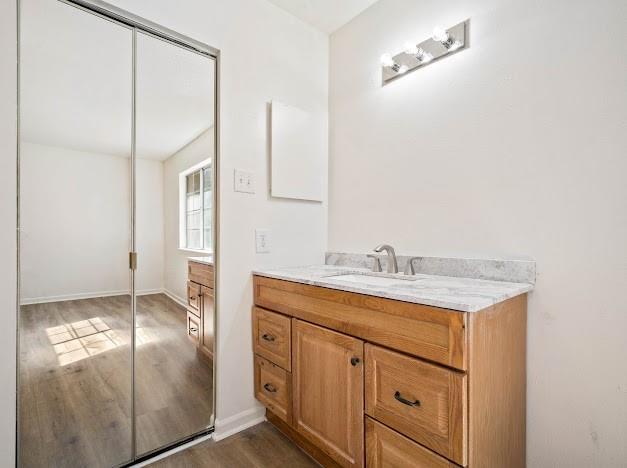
(76, 341)
(73, 342)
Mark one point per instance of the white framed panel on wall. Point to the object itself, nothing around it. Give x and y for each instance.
(297, 153)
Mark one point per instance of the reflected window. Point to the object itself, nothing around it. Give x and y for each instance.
(196, 207)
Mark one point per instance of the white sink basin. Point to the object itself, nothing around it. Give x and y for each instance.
(370, 279)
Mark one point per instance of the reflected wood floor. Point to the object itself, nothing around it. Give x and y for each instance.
(261, 446)
(75, 381)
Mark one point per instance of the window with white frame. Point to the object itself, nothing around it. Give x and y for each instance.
(196, 203)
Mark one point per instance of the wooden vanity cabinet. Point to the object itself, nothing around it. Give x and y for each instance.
(207, 322)
(359, 381)
(200, 306)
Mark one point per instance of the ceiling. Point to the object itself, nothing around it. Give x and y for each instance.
(325, 15)
(76, 85)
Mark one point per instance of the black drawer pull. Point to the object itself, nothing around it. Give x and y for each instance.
(193, 329)
(354, 361)
(398, 397)
(270, 388)
(193, 298)
(268, 337)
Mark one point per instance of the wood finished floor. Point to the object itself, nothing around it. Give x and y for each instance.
(261, 446)
(75, 381)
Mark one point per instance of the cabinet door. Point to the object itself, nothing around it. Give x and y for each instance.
(327, 389)
(207, 316)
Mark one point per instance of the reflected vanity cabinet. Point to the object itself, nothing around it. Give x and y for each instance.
(357, 380)
(200, 306)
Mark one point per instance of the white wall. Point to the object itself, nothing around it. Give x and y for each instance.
(266, 54)
(8, 226)
(175, 267)
(149, 226)
(75, 218)
(514, 146)
(75, 223)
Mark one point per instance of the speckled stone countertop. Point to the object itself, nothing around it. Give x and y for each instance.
(208, 260)
(455, 293)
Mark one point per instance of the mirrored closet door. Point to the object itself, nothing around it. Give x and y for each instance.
(175, 152)
(117, 237)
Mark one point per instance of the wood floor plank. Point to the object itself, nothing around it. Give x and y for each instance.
(261, 446)
(75, 381)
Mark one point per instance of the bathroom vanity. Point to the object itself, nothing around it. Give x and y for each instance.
(368, 369)
(200, 304)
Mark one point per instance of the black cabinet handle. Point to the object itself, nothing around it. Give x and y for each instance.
(268, 337)
(270, 388)
(398, 397)
(193, 329)
(354, 361)
(193, 298)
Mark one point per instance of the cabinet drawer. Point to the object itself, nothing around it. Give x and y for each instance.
(273, 388)
(193, 298)
(387, 448)
(431, 333)
(200, 273)
(193, 327)
(423, 401)
(272, 337)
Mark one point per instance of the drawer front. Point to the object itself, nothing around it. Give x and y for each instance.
(193, 298)
(207, 320)
(193, 327)
(200, 273)
(432, 333)
(387, 448)
(273, 388)
(423, 401)
(272, 338)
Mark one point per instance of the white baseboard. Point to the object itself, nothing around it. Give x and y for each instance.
(145, 292)
(232, 425)
(175, 297)
(89, 295)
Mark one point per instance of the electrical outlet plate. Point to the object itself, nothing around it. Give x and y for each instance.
(262, 240)
(243, 181)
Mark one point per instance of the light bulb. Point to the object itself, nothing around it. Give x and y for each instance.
(440, 34)
(387, 60)
(410, 48)
(402, 69)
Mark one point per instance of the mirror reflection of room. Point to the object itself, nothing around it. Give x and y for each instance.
(75, 363)
(88, 198)
(175, 150)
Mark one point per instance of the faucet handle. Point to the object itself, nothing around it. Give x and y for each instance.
(376, 264)
(409, 266)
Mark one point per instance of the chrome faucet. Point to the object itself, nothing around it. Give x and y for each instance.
(376, 263)
(409, 266)
(391, 261)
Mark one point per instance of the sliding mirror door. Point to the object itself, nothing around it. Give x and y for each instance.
(75, 315)
(175, 138)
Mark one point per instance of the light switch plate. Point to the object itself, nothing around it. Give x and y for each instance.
(243, 181)
(262, 240)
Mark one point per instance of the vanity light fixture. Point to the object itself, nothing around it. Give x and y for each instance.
(442, 42)
(388, 62)
(442, 36)
(418, 53)
(411, 48)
